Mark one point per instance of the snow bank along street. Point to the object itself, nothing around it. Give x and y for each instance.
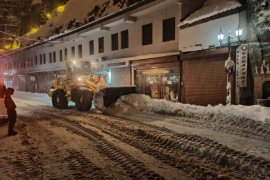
(137, 138)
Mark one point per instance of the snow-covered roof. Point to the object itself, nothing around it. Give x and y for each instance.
(78, 10)
(44, 32)
(73, 9)
(211, 8)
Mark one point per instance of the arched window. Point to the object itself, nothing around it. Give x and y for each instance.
(266, 90)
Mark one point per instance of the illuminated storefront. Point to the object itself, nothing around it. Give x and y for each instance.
(160, 79)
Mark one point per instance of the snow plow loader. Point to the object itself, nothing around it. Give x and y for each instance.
(82, 87)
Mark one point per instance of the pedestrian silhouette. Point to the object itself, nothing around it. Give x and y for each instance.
(11, 111)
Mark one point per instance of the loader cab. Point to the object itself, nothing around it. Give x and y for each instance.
(76, 69)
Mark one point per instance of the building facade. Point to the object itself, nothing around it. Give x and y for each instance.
(135, 46)
(167, 48)
(203, 56)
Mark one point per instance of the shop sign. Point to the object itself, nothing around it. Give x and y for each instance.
(241, 65)
(156, 71)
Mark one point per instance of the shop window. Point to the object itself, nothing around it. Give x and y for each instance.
(266, 90)
(147, 31)
(40, 59)
(44, 59)
(91, 47)
(60, 55)
(50, 57)
(35, 60)
(80, 51)
(101, 44)
(169, 29)
(66, 54)
(54, 56)
(73, 51)
(28, 63)
(124, 39)
(114, 42)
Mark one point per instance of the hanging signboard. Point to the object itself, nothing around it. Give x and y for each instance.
(241, 65)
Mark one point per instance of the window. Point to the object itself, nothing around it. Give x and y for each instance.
(169, 29)
(101, 44)
(35, 60)
(124, 39)
(54, 56)
(147, 34)
(66, 54)
(114, 42)
(28, 63)
(40, 59)
(80, 51)
(60, 55)
(31, 59)
(73, 51)
(44, 59)
(50, 57)
(91, 47)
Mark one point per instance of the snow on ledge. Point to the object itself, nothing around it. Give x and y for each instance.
(211, 8)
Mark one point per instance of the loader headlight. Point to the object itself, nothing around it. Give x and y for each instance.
(79, 79)
(74, 62)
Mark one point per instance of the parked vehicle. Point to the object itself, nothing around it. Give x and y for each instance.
(3, 110)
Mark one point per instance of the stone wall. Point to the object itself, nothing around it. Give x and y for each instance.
(261, 75)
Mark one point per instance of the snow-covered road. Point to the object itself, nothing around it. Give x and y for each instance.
(140, 142)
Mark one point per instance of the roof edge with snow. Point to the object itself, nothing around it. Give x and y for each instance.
(86, 26)
(205, 13)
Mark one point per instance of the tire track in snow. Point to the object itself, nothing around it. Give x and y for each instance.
(130, 166)
(222, 160)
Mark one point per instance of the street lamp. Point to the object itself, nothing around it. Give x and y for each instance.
(229, 64)
(239, 32)
(220, 37)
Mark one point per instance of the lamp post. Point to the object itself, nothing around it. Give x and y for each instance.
(220, 37)
(239, 33)
(229, 63)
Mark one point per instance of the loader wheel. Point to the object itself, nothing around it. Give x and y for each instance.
(84, 100)
(59, 99)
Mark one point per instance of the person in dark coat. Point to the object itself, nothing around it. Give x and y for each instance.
(12, 114)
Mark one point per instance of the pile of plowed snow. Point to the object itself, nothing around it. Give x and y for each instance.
(143, 103)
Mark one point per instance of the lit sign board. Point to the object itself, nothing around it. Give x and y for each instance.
(156, 71)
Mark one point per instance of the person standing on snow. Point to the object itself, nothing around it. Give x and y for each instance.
(12, 114)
